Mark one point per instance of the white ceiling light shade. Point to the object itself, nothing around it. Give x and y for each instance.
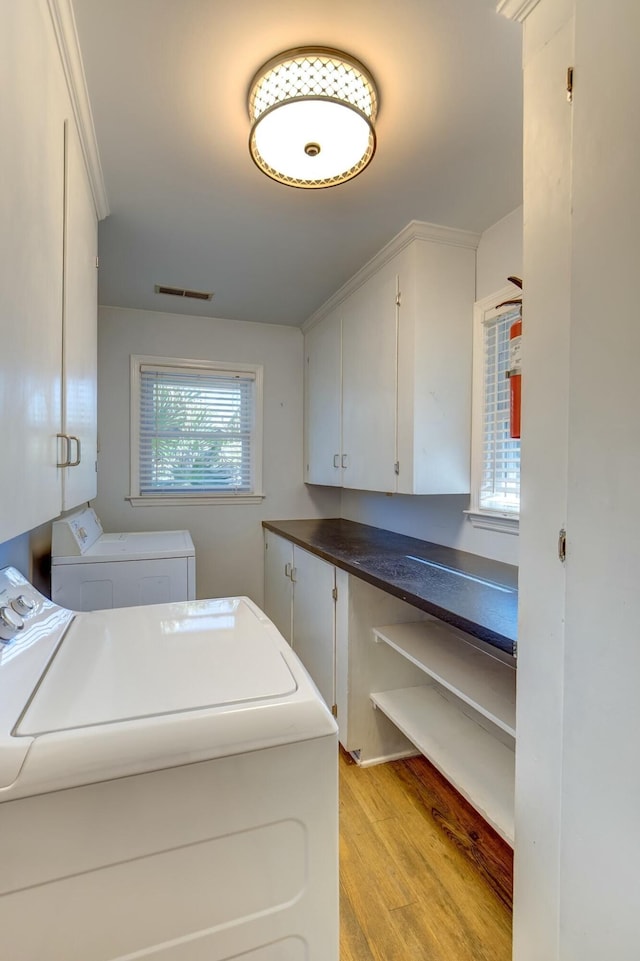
(312, 112)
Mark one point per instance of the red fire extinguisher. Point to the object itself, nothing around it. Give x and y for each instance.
(514, 372)
(515, 376)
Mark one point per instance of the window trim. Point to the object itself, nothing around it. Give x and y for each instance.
(501, 521)
(256, 496)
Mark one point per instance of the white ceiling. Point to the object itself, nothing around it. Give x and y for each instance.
(168, 81)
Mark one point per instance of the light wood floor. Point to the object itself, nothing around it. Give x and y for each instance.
(422, 877)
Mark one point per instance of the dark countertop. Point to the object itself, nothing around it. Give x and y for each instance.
(473, 593)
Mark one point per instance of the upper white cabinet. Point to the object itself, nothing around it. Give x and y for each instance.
(323, 398)
(32, 111)
(79, 330)
(369, 336)
(48, 231)
(391, 351)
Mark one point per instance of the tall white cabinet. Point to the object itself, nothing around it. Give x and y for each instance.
(48, 309)
(388, 362)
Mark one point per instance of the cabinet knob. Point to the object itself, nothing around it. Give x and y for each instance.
(10, 623)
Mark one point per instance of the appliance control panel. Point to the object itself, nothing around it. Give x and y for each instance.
(24, 611)
(31, 629)
(71, 536)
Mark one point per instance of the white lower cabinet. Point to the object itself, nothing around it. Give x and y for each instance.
(300, 600)
(399, 681)
(278, 585)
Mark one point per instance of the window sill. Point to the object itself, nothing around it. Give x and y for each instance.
(193, 500)
(503, 523)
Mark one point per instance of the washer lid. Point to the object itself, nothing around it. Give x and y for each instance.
(143, 662)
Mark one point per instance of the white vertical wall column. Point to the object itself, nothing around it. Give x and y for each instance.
(578, 777)
(548, 50)
(600, 827)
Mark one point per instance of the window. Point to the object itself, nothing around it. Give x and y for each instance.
(196, 431)
(495, 484)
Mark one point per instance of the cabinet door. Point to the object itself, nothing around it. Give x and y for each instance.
(323, 393)
(369, 391)
(32, 109)
(314, 620)
(278, 586)
(79, 371)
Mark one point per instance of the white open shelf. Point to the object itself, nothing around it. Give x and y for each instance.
(478, 765)
(482, 681)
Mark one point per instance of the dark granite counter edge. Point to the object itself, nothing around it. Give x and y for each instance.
(482, 632)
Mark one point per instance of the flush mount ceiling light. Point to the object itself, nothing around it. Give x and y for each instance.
(312, 112)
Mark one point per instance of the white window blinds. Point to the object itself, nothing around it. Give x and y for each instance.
(500, 468)
(197, 431)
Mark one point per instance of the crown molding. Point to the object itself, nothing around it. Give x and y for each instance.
(415, 230)
(516, 9)
(64, 26)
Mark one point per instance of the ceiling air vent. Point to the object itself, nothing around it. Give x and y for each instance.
(180, 292)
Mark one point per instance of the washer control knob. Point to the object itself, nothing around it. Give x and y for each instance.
(23, 605)
(10, 623)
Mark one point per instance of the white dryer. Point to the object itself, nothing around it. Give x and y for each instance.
(91, 570)
(168, 786)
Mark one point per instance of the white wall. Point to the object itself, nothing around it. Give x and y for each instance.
(499, 254)
(441, 519)
(16, 553)
(227, 538)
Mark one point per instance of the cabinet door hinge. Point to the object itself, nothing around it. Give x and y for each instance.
(97, 262)
(334, 710)
(570, 84)
(399, 299)
(334, 593)
(396, 467)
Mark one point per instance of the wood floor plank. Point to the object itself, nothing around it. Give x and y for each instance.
(366, 863)
(353, 941)
(443, 880)
(378, 791)
(491, 856)
(412, 886)
(427, 937)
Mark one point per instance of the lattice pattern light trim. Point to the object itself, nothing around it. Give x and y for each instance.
(312, 111)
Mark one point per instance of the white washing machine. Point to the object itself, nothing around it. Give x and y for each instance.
(168, 786)
(91, 570)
